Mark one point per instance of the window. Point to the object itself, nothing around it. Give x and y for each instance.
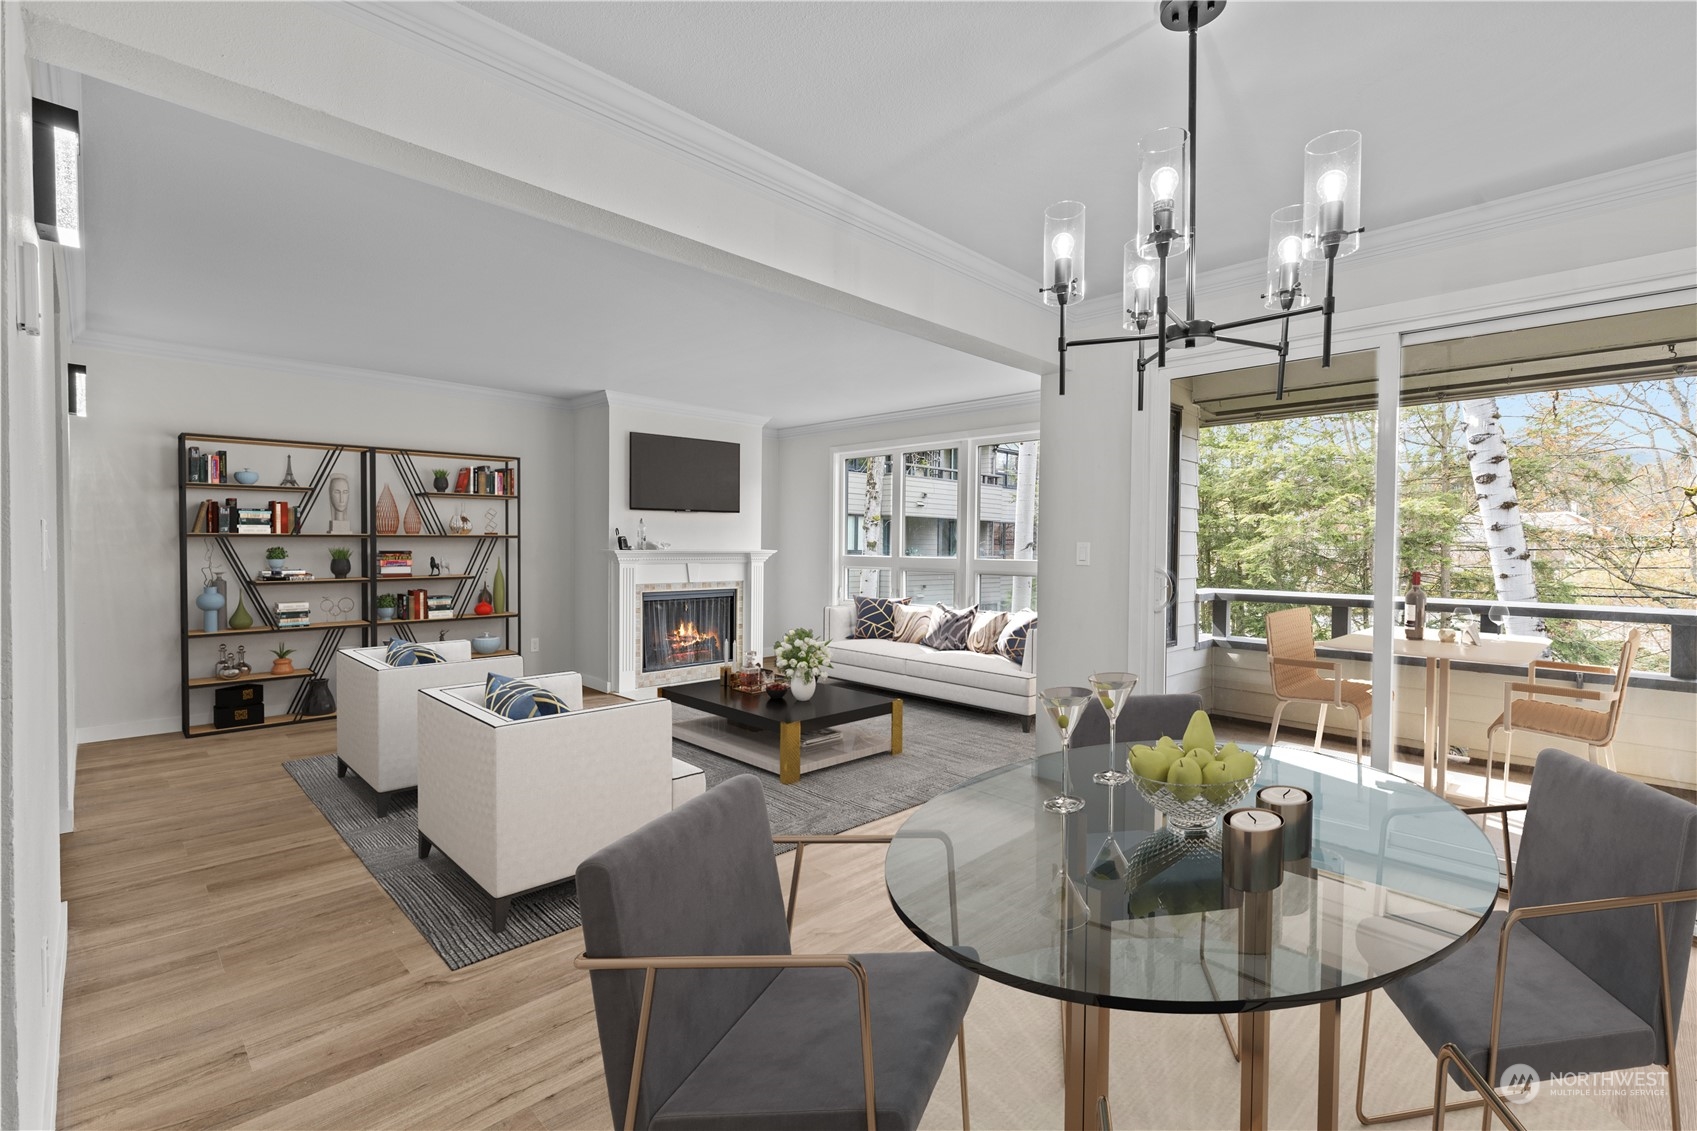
(997, 495)
(57, 145)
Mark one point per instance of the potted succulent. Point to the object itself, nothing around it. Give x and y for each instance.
(341, 561)
(385, 606)
(274, 559)
(441, 483)
(282, 665)
(803, 657)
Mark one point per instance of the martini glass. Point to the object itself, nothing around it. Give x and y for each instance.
(1112, 690)
(1065, 705)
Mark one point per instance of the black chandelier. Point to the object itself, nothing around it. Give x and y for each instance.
(1326, 225)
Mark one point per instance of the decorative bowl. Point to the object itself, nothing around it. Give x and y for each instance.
(245, 476)
(1194, 809)
(777, 691)
(485, 644)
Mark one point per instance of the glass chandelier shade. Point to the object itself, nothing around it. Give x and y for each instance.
(1141, 286)
(1331, 194)
(1063, 253)
(1163, 192)
(1288, 285)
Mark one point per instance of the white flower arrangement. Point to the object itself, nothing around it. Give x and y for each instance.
(800, 655)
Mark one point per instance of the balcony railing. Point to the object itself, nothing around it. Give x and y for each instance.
(1214, 624)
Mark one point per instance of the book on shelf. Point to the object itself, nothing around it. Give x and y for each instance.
(302, 621)
(439, 606)
(291, 606)
(282, 517)
(462, 485)
(198, 526)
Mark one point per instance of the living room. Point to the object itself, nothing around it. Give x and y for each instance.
(694, 348)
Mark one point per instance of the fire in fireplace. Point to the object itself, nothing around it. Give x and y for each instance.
(685, 629)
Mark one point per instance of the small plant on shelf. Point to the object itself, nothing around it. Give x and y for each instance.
(274, 559)
(441, 474)
(385, 606)
(282, 665)
(341, 561)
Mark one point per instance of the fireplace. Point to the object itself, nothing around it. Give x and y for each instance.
(688, 628)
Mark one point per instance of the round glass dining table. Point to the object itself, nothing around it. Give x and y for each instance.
(1395, 879)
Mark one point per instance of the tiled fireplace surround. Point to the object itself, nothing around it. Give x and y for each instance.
(635, 572)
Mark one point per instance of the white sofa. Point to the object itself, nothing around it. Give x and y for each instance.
(975, 679)
(518, 804)
(377, 707)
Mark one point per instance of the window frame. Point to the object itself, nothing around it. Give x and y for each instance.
(965, 565)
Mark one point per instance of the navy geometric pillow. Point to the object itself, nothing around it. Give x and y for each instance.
(1015, 638)
(404, 654)
(513, 698)
(875, 617)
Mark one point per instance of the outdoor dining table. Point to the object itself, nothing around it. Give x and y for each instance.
(990, 879)
(1509, 651)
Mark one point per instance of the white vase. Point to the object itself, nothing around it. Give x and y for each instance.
(803, 688)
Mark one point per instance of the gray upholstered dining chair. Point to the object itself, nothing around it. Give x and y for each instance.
(1144, 718)
(1606, 890)
(706, 1018)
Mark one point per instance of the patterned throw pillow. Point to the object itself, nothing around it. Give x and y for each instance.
(875, 617)
(913, 623)
(404, 654)
(1015, 635)
(986, 632)
(950, 628)
(514, 698)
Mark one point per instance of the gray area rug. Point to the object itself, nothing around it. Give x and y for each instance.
(943, 746)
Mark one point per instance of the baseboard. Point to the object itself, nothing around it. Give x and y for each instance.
(136, 728)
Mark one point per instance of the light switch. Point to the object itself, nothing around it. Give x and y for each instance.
(1084, 553)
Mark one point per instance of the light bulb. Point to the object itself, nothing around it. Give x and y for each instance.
(1062, 245)
(1290, 249)
(1331, 185)
(1142, 277)
(1164, 182)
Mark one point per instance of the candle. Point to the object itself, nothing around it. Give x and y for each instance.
(1252, 852)
(1295, 807)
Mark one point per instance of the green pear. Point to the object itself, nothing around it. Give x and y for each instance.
(1240, 765)
(1199, 735)
(1145, 762)
(1217, 777)
(1184, 777)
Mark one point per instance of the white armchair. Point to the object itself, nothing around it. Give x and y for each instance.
(377, 708)
(518, 804)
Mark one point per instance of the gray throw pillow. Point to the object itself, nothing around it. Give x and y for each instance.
(950, 628)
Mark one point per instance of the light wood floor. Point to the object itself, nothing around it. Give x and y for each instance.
(233, 964)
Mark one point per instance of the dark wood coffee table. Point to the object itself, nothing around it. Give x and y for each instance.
(744, 726)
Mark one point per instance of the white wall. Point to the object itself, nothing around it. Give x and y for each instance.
(124, 502)
(32, 747)
(739, 531)
(801, 508)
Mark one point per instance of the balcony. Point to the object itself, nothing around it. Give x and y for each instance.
(1657, 741)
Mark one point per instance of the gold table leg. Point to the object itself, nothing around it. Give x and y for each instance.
(789, 753)
(896, 726)
(1331, 1041)
(1085, 1054)
(1254, 1034)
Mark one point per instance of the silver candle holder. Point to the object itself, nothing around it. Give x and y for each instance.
(1252, 849)
(1295, 807)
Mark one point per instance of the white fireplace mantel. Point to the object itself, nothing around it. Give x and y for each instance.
(631, 570)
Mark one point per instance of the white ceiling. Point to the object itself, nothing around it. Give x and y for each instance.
(967, 118)
(218, 237)
(971, 118)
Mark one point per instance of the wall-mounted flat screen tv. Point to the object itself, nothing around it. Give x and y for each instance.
(682, 473)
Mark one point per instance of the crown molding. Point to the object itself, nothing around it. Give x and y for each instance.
(207, 355)
(537, 71)
(613, 398)
(1456, 231)
(1031, 400)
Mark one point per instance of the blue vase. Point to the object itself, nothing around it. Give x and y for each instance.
(209, 602)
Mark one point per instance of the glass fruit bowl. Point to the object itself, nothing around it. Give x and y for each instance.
(1195, 809)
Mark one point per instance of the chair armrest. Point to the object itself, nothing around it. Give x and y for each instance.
(653, 964)
(1293, 662)
(1508, 849)
(802, 840)
(1564, 666)
(1517, 915)
(1557, 689)
(1481, 810)
(1449, 1055)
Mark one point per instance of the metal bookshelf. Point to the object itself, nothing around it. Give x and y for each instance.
(403, 469)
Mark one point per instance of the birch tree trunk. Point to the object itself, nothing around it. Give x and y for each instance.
(1024, 517)
(1499, 508)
